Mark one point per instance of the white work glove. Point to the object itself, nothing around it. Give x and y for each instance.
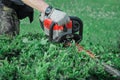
(57, 16)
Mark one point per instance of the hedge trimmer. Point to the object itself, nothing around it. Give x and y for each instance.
(73, 30)
(62, 34)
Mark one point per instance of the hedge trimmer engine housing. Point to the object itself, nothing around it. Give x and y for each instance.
(71, 31)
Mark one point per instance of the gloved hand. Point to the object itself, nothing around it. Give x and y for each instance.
(59, 17)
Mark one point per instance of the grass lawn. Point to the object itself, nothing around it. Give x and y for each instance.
(30, 57)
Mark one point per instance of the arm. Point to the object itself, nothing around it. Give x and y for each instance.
(59, 17)
(40, 5)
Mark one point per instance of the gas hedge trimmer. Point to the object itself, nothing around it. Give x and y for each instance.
(62, 34)
(73, 30)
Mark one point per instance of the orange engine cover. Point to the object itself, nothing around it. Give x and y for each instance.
(48, 22)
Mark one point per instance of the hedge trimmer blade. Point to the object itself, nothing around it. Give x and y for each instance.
(111, 70)
(106, 67)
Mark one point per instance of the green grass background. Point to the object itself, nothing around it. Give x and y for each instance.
(101, 21)
(101, 35)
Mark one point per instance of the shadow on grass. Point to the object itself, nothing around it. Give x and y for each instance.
(99, 76)
(119, 45)
(10, 55)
